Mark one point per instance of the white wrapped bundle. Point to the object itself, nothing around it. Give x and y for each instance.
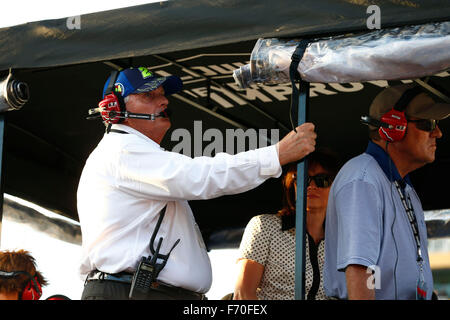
(392, 54)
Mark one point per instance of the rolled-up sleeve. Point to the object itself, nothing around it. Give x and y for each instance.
(359, 225)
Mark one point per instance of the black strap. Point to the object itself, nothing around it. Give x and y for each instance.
(118, 131)
(112, 81)
(406, 98)
(156, 254)
(295, 76)
(412, 219)
(313, 259)
(110, 89)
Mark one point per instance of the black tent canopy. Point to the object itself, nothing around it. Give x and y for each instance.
(184, 25)
(48, 140)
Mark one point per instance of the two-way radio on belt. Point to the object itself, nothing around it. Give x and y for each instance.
(148, 268)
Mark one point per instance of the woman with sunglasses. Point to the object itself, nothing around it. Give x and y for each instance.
(266, 260)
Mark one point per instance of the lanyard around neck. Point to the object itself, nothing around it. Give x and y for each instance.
(412, 219)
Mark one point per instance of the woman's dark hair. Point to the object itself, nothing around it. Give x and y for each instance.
(327, 159)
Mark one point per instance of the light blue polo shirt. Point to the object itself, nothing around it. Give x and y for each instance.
(367, 224)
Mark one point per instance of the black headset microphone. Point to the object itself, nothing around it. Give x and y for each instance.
(112, 108)
(367, 120)
(95, 113)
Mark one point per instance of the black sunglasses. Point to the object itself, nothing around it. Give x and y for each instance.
(321, 180)
(427, 125)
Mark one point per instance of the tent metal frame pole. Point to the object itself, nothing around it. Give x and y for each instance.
(432, 90)
(2, 143)
(300, 206)
(215, 83)
(204, 109)
(218, 116)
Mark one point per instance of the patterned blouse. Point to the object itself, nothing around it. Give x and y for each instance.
(264, 242)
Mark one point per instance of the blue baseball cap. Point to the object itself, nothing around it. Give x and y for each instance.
(141, 79)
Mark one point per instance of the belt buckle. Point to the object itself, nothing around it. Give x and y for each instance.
(92, 275)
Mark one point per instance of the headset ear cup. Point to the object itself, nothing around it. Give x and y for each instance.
(32, 290)
(397, 126)
(110, 109)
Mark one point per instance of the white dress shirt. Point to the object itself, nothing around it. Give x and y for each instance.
(129, 178)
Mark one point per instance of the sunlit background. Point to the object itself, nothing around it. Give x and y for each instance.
(59, 260)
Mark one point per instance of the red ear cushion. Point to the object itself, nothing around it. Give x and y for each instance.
(32, 291)
(397, 122)
(110, 109)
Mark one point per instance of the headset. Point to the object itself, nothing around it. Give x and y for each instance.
(112, 108)
(58, 297)
(32, 289)
(392, 125)
(113, 105)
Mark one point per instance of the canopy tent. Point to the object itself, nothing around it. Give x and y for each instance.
(183, 25)
(48, 140)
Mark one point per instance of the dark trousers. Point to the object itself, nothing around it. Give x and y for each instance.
(112, 290)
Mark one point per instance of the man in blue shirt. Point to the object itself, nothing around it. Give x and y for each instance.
(376, 238)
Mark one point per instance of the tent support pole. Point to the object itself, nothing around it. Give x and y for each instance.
(302, 183)
(2, 141)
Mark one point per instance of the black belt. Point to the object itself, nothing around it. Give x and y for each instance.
(126, 277)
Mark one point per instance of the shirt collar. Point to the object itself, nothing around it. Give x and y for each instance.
(130, 130)
(386, 163)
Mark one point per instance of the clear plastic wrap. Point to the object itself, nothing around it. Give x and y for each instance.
(391, 54)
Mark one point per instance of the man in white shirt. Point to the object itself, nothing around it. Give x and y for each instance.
(129, 180)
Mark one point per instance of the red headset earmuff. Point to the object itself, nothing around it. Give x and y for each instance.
(392, 125)
(111, 109)
(396, 121)
(112, 106)
(32, 289)
(396, 118)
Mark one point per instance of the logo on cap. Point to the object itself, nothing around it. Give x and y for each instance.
(118, 87)
(145, 72)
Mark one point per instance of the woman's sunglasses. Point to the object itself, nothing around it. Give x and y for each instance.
(427, 125)
(321, 180)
